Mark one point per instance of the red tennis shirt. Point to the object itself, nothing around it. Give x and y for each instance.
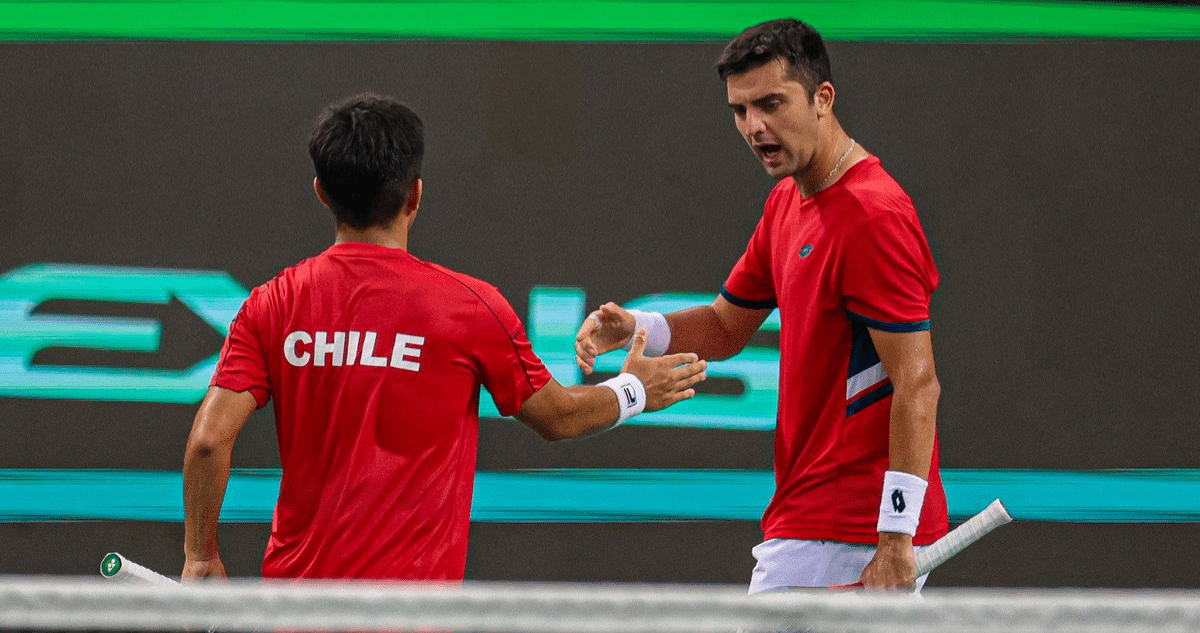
(374, 360)
(851, 257)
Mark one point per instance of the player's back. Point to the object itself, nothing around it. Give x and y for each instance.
(375, 359)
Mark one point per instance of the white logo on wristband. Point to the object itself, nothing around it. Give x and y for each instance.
(900, 507)
(631, 395)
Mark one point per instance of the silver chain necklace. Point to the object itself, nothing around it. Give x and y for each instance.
(835, 167)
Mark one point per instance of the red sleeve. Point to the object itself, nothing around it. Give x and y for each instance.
(509, 369)
(750, 283)
(888, 274)
(243, 364)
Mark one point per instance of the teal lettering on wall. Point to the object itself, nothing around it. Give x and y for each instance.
(554, 316)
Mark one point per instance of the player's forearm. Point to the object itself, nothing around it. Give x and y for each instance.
(592, 409)
(701, 331)
(911, 434)
(913, 425)
(205, 476)
(565, 412)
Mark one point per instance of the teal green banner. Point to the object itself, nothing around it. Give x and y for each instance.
(616, 495)
(583, 20)
(28, 327)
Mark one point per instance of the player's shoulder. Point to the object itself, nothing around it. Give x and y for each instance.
(872, 193)
(464, 288)
(285, 281)
(876, 189)
(782, 195)
(471, 286)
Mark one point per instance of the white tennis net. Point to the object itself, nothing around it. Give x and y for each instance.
(68, 603)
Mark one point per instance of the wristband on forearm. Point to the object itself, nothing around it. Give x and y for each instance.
(631, 395)
(658, 333)
(900, 507)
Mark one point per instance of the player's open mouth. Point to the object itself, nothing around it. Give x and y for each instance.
(770, 152)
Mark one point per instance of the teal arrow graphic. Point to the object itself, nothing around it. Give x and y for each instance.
(213, 295)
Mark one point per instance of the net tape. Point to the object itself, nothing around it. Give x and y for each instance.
(67, 603)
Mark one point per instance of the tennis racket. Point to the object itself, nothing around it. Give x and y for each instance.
(116, 567)
(954, 541)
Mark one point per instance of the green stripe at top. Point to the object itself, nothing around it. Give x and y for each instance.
(616, 495)
(583, 20)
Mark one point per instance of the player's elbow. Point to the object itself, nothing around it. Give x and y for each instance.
(922, 387)
(204, 444)
(554, 432)
(723, 350)
(199, 448)
(930, 388)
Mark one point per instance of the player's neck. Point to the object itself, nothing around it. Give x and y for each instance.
(394, 236)
(835, 157)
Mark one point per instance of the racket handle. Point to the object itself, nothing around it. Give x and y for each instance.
(116, 567)
(960, 537)
(953, 542)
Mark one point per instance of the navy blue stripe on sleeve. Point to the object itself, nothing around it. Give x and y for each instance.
(918, 326)
(870, 398)
(767, 304)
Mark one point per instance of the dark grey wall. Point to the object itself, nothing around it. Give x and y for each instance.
(1054, 179)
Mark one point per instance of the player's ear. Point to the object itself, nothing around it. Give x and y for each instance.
(320, 193)
(823, 98)
(413, 202)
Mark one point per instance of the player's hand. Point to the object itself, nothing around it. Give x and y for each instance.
(894, 566)
(208, 568)
(602, 331)
(668, 379)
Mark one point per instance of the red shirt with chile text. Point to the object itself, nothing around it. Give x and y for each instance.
(374, 361)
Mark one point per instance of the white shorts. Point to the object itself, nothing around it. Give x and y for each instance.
(784, 563)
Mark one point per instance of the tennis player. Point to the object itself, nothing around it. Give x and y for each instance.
(374, 360)
(840, 251)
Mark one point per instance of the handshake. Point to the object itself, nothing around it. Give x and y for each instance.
(667, 379)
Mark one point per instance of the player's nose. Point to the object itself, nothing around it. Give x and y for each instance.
(754, 126)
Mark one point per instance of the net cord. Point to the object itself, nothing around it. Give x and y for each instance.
(66, 603)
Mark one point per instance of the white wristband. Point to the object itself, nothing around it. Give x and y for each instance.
(631, 395)
(658, 333)
(900, 507)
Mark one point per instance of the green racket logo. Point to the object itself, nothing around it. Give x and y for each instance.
(111, 565)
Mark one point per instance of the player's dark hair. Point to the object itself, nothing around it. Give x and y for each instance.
(367, 153)
(797, 44)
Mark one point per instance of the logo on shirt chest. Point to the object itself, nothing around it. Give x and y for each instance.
(805, 250)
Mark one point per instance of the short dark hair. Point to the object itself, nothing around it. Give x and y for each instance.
(799, 46)
(367, 153)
